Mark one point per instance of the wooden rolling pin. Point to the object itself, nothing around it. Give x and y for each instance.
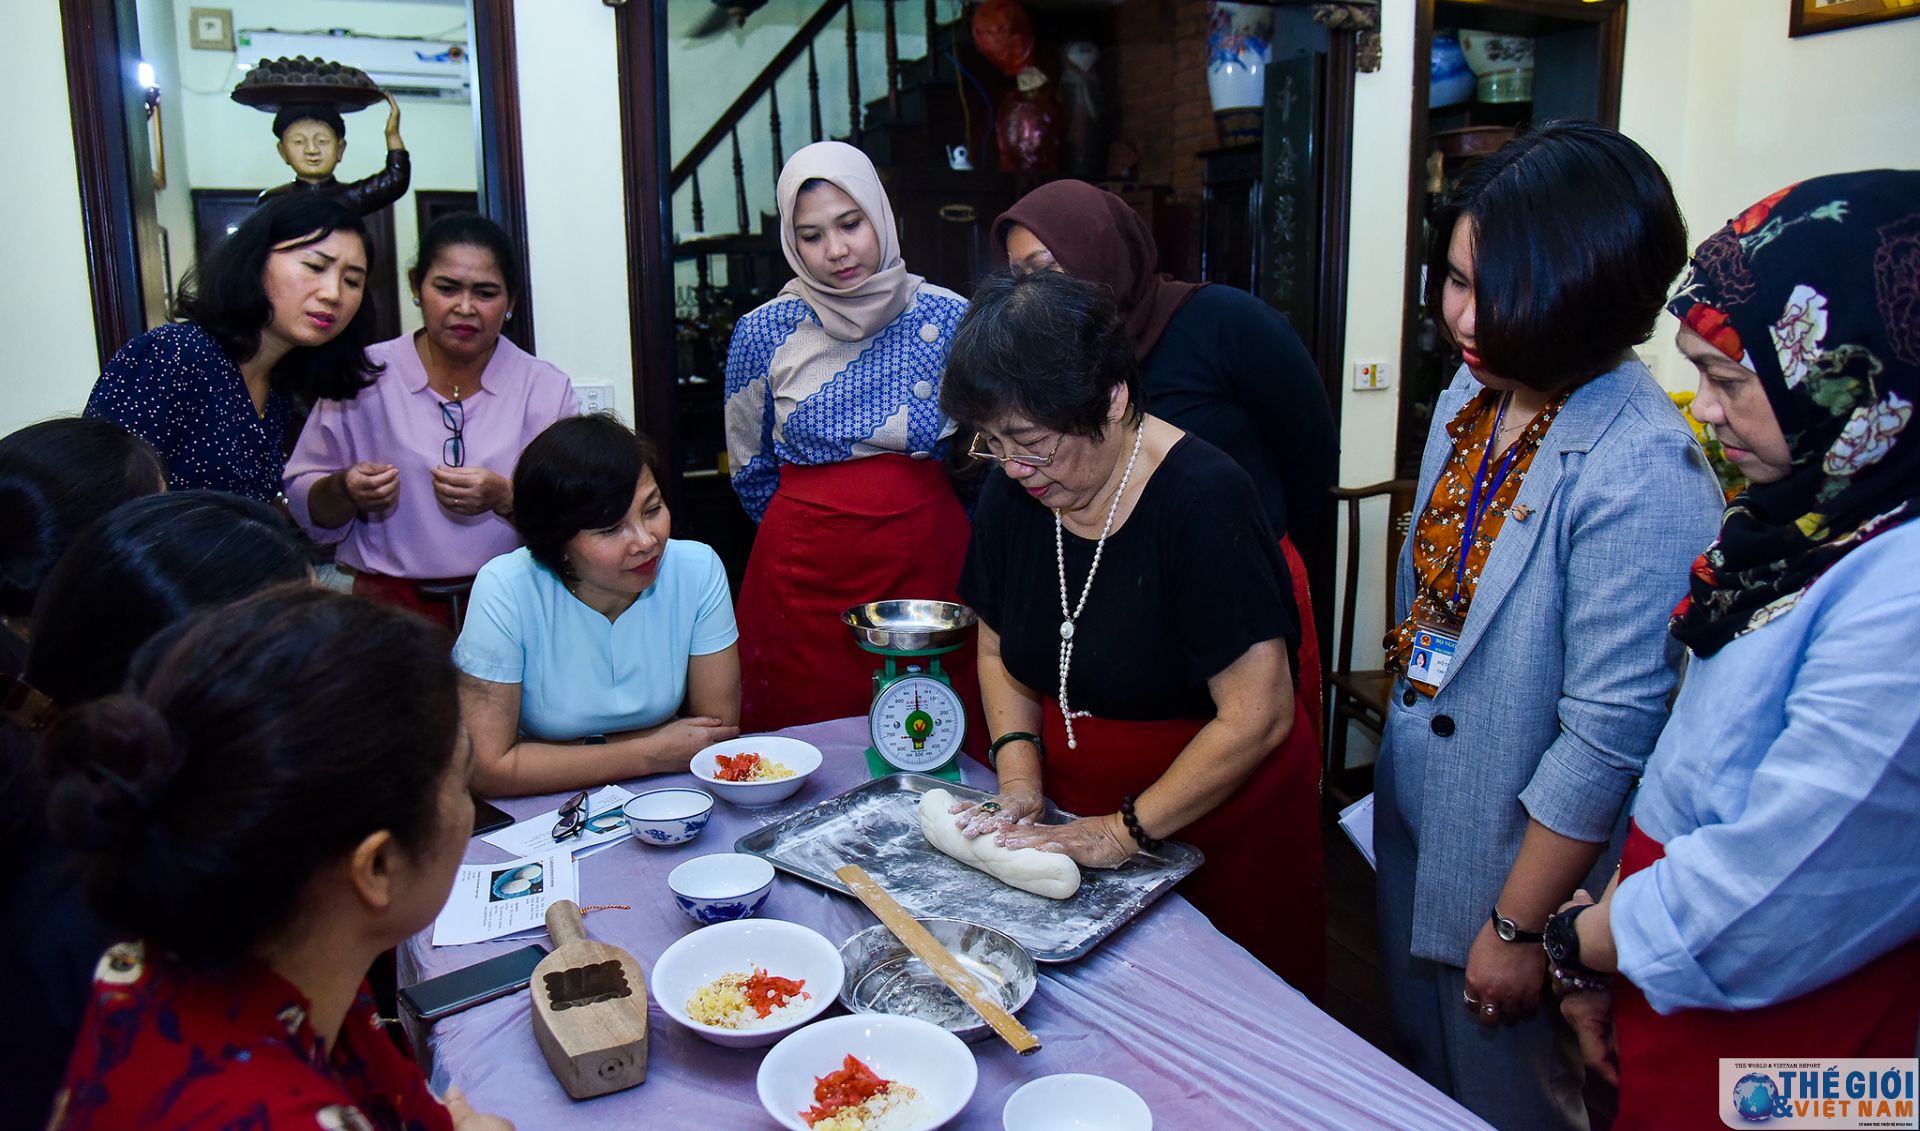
(938, 958)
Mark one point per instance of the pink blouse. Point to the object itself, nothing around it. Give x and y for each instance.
(398, 420)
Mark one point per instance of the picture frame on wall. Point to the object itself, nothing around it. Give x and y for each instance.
(1811, 17)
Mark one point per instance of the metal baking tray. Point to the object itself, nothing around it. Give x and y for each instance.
(877, 825)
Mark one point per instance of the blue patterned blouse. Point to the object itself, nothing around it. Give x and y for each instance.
(174, 387)
(797, 395)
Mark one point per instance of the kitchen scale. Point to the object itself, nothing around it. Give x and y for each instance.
(917, 720)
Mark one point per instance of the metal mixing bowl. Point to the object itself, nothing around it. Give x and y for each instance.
(883, 976)
(909, 626)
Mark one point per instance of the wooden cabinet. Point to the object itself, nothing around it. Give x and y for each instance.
(1579, 46)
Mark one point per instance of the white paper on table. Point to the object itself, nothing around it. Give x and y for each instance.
(1356, 820)
(534, 835)
(490, 901)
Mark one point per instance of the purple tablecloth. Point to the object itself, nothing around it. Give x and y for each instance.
(1168, 1005)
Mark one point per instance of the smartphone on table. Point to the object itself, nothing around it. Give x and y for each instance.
(487, 817)
(483, 981)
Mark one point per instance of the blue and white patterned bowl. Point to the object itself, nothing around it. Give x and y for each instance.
(668, 816)
(723, 886)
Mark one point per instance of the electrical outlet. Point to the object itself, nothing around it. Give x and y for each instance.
(595, 397)
(1368, 375)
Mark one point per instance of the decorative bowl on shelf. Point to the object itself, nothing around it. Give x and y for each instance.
(1506, 86)
(1488, 52)
(1450, 80)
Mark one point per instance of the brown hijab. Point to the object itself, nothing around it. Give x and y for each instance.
(1093, 234)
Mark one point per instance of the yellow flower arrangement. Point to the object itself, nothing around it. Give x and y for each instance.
(1731, 481)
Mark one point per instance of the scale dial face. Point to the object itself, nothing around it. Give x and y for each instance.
(917, 723)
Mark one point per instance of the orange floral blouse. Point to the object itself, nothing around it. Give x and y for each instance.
(1436, 536)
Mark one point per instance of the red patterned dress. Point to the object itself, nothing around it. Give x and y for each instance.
(169, 1048)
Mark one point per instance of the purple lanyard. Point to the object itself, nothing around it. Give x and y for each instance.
(1477, 503)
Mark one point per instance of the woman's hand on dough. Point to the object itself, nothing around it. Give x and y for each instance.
(1019, 803)
(1091, 842)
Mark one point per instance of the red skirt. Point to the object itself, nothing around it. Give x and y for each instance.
(1670, 1066)
(1261, 884)
(836, 536)
(1308, 673)
(404, 592)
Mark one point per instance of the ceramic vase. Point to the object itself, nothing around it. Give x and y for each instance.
(1450, 80)
(1239, 48)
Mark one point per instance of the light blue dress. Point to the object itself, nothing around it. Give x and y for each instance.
(1786, 792)
(579, 673)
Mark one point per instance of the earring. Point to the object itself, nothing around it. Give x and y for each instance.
(416, 300)
(509, 315)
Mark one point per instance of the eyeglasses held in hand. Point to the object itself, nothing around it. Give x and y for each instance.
(980, 449)
(453, 414)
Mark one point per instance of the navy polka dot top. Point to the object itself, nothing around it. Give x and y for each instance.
(174, 387)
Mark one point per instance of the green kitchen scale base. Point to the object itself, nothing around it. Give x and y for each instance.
(917, 721)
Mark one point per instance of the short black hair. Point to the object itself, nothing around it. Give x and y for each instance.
(149, 563)
(226, 295)
(578, 474)
(468, 229)
(302, 111)
(1576, 239)
(56, 478)
(261, 742)
(1046, 347)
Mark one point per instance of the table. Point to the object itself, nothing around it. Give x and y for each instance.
(1168, 1005)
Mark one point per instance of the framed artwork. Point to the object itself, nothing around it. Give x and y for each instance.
(1811, 17)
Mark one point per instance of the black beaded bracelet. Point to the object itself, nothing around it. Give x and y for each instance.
(993, 751)
(1133, 825)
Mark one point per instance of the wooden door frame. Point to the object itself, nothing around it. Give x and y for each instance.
(640, 44)
(117, 216)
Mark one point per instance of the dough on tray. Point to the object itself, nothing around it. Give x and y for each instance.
(1029, 869)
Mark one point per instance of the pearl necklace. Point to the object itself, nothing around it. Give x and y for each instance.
(1060, 558)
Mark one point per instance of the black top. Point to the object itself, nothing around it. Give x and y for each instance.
(1190, 582)
(1230, 370)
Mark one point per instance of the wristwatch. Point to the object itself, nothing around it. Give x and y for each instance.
(1509, 931)
(1561, 940)
(1562, 943)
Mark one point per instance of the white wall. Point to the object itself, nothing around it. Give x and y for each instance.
(1376, 288)
(576, 202)
(1735, 110)
(48, 356)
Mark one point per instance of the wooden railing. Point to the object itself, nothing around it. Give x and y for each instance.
(726, 128)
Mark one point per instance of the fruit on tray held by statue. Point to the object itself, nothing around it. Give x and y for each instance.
(1003, 33)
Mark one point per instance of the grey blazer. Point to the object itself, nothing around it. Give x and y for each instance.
(1559, 685)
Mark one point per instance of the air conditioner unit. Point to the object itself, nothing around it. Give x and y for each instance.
(408, 68)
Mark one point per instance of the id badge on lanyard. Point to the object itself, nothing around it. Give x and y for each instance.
(1436, 637)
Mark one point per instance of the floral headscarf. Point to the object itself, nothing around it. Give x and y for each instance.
(1816, 289)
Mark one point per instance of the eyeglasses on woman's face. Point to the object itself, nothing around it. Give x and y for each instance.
(985, 448)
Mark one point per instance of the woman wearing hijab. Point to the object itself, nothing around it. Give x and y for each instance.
(1768, 901)
(837, 443)
(1215, 361)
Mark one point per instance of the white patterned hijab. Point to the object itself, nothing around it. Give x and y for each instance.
(864, 309)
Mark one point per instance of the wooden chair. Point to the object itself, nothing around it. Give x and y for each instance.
(1361, 696)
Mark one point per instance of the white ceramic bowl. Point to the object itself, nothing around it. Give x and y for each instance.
(786, 950)
(1490, 52)
(1075, 1101)
(668, 816)
(722, 887)
(803, 758)
(933, 1061)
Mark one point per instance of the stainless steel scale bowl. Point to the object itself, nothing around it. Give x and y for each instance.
(909, 626)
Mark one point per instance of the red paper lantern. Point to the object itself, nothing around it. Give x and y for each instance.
(1003, 33)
